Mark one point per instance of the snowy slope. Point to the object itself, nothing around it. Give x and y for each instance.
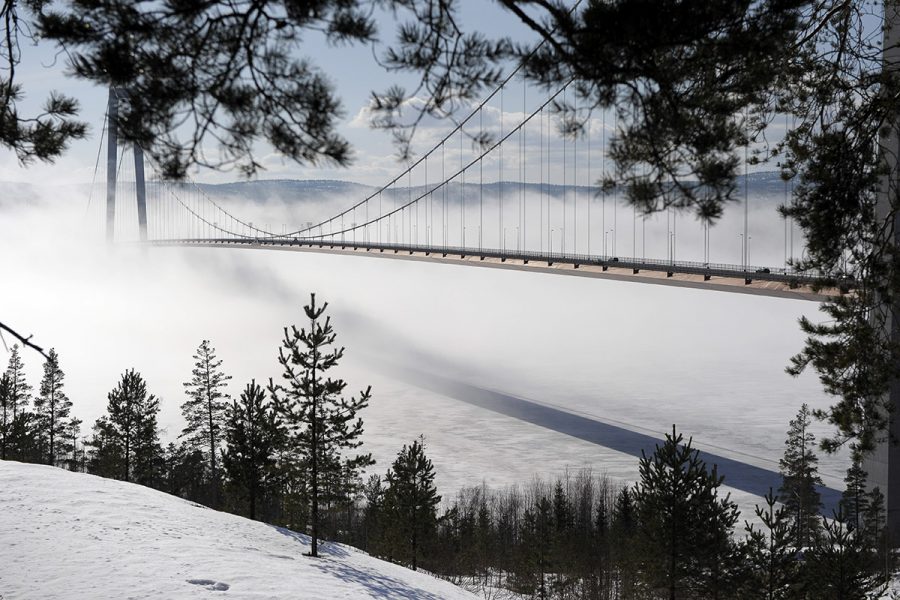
(71, 535)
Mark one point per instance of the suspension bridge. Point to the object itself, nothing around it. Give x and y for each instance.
(527, 200)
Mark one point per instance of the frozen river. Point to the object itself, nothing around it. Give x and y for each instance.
(635, 358)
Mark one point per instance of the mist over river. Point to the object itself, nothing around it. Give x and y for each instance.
(433, 340)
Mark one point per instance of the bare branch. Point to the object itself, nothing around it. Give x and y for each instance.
(26, 341)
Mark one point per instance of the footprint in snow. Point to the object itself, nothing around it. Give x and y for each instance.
(216, 586)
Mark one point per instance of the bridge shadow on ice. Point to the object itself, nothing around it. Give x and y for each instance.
(739, 475)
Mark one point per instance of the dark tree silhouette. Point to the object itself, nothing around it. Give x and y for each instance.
(412, 500)
(252, 436)
(800, 476)
(204, 410)
(130, 427)
(321, 423)
(20, 389)
(683, 523)
(52, 407)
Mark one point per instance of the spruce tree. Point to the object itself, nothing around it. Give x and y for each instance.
(601, 540)
(131, 426)
(874, 532)
(625, 520)
(73, 429)
(413, 498)
(320, 421)
(561, 541)
(204, 410)
(149, 455)
(800, 476)
(52, 408)
(251, 436)
(105, 456)
(544, 528)
(622, 535)
(684, 526)
(373, 515)
(854, 500)
(22, 445)
(20, 389)
(838, 565)
(185, 470)
(772, 559)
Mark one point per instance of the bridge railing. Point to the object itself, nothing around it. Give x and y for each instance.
(670, 267)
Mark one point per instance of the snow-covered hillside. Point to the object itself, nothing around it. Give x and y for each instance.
(71, 535)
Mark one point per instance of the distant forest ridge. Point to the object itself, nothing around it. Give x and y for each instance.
(767, 185)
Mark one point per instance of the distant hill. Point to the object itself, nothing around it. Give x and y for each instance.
(286, 190)
(764, 185)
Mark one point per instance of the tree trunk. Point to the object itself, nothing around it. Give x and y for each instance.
(315, 469)
(5, 427)
(52, 427)
(672, 561)
(212, 441)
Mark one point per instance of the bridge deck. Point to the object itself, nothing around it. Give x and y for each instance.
(779, 283)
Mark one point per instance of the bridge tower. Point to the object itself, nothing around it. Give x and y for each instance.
(112, 163)
(883, 465)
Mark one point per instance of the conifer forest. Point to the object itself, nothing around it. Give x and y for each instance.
(288, 452)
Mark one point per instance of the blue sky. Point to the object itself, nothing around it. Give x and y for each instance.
(352, 70)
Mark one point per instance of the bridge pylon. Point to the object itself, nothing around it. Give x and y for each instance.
(112, 165)
(883, 465)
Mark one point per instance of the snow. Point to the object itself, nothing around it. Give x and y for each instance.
(73, 535)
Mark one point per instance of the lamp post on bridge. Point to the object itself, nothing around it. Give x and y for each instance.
(608, 234)
(745, 251)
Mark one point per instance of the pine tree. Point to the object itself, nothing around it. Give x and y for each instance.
(800, 476)
(52, 407)
(321, 423)
(684, 526)
(251, 436)
(204, 410)
(131, 425)
(413, 498)
(20, 389)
